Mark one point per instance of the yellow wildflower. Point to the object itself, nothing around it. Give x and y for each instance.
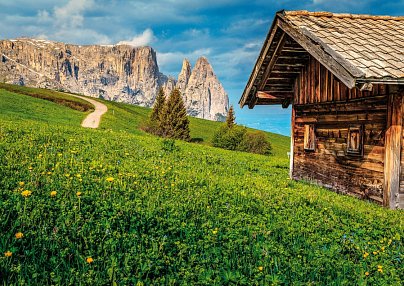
(53, 194)
(19, 235)
(260, 268)
(89, 260)
(380, 268)
(367, 273)
(365, 255)
(215, 231)
(374, 252)
(30, 168)
(21, 184)
(26, 193)
(382, 248)
(8, 253)
(110, 179)
(78, 194)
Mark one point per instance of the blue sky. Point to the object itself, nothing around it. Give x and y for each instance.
(229, 33)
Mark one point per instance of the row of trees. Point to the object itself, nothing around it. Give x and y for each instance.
(169, 117)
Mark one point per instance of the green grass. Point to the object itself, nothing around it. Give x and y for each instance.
(195, 215)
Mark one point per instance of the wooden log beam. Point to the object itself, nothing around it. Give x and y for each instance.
(275, 55)
(392, 158)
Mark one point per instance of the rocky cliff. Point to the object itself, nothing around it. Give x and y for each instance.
(117, 72)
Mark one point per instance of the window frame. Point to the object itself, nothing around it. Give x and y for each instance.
(355, 129)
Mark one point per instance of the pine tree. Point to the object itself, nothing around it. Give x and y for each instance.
(174, 122)
(231, 118)
(158, 106)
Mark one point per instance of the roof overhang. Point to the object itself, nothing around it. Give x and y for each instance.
(285, 51)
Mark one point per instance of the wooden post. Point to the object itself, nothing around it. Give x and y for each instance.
(292, 141)
(392, 153)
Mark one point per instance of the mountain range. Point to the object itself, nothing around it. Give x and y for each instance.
(113, 72)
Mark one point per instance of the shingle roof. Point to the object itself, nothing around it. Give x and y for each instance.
(374, 45)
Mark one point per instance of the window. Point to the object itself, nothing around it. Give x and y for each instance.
(355, 140)
(309, 138)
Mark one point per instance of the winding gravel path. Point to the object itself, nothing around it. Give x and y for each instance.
(93, 119)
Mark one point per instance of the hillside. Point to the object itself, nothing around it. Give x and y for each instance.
(148, 214)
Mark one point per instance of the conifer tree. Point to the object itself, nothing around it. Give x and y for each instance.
(158, 106)
(174, 122)
(231, 118)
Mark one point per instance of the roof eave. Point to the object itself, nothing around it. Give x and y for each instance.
(260, 59)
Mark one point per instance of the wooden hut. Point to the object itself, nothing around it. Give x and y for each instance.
(343, 76)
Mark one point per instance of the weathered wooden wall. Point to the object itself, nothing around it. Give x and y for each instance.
(320, 98)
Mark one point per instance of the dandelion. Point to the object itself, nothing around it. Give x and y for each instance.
(367, 273)
(8, 253)
(365, 255)
(380, 268)
(375, 252)
(382, 248)
(53, 194)
(215, 231)
(260, 268)
(78, 194)
(21, 184)
(26, 193)
(19, 235)
(89, 260)
(110, 179)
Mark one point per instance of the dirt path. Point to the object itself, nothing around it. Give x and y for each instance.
(93, 119)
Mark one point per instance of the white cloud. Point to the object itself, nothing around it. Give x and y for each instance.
(144, 39)
(71, 14)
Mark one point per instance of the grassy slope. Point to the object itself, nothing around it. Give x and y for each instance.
(198, 215)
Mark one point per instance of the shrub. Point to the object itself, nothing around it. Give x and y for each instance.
(229, 138)
(255, 142)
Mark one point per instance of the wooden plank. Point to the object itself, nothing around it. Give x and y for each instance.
(392, 160)
(331, 93)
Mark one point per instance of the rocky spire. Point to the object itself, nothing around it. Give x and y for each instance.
(205, 96)
(183, 76)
